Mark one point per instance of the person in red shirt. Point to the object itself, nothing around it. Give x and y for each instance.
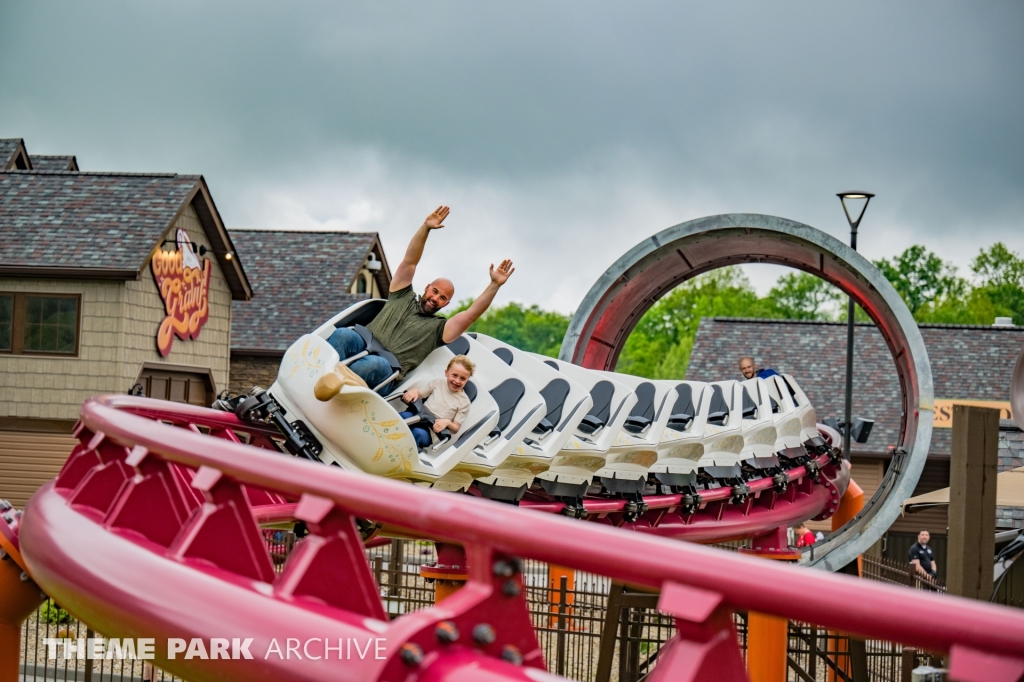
(804, 537)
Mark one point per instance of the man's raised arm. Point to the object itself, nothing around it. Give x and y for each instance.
(457, 324)
(407, 268)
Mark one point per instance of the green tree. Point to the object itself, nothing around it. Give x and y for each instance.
(660, 344)
(921, 278)
(803, 296)
(1000, 274)
(531, 329)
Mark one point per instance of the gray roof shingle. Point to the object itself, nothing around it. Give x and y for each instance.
(968, 363)
(8, 148)
(105, 221)
(299, 280)
(54, 163)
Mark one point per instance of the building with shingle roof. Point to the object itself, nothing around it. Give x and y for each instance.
(108, 281)
(968, 362)
(54, 163)
(299, 280)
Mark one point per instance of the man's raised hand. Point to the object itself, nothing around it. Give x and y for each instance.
(501, 274)
(435, 220)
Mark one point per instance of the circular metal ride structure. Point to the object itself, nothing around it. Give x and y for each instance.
(600, 327)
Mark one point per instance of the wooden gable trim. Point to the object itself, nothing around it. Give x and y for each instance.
(220, 240)
(202, 203)
(20, 159)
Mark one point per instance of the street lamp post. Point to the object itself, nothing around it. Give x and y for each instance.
(849, 198)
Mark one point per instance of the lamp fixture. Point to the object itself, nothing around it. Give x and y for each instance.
(854, 198)
(372, 264)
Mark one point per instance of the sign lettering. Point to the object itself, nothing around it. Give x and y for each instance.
(943, 418)
(184, 285)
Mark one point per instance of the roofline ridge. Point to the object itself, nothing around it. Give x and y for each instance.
(100, 173)
(921, 325)
(257, 229)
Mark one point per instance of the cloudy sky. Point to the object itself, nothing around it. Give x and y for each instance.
(560, 133)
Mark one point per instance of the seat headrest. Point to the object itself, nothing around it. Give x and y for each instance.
(471, 390)
(505, 354)
(459, 346)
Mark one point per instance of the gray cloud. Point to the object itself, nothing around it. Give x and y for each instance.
(561, 134)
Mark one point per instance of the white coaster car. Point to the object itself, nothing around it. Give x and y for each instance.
(635, 449)
(723, 431)
(566, 403)
(796, 419)
(759, 433)
(360, 430)
(585, 451)
(520, 409)
(682, 443)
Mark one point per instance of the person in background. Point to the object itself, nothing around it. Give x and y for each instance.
(804, 537)
(749, 371)
(922, 558)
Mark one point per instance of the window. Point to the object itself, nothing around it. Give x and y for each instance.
(361, 284)
(39, 324)
(6, 321)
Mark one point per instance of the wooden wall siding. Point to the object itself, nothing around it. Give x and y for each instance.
(144, 310)
(28, 460)
(53, 387)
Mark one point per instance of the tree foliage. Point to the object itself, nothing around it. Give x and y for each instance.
(531, 329)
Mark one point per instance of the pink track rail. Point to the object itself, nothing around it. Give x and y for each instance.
(119, 541)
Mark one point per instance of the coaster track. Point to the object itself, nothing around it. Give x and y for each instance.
(120, 542)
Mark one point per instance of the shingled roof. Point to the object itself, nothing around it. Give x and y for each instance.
(13, 154)
(968, 363)
(101, 225)
(299, 279)
(54, 163)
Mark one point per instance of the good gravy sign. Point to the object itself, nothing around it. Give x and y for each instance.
(184, 285)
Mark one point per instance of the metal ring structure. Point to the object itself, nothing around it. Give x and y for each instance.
(616, 302)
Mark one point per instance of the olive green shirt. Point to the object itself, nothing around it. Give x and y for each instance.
(407, 332)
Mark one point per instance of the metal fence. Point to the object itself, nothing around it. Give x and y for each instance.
(898, 573)
(589, 628)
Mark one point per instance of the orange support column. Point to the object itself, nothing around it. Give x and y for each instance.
(18, 599)
(449, 574)
(768, 636)
(555, 575)
(767, 643)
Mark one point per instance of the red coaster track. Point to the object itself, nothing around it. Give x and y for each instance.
(151, 531)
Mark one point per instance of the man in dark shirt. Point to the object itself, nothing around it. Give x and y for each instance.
(922, 557)
(409, 326)
(749, 371)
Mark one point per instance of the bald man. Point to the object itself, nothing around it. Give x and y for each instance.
(409, 326)
(749, 371)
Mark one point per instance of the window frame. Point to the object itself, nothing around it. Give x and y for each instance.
(18, 324)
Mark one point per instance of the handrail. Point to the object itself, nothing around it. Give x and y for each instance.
(869, 610)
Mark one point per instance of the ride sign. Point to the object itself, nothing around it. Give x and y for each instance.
(184, 285)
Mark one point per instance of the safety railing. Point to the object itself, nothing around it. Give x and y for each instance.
(700, 588)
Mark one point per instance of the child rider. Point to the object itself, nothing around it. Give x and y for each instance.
(444, 398)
